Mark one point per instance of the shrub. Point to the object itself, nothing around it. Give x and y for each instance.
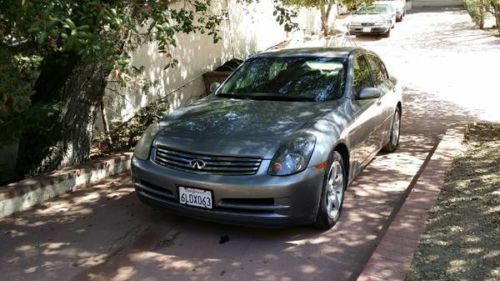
(477, 11)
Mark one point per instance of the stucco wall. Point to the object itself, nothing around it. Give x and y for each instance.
(250, 28)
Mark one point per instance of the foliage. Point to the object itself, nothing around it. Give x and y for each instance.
(75, 46)
(125, 135)
(32, 32)
(104, 31)
(479, 9)
(309, 3)
(97, 29)
(495, 10)
(14, 92)
(6, 175)
(325, 7)
(350, 4)
(285, 16)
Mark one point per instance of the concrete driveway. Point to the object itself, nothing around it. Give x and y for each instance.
(104, 233)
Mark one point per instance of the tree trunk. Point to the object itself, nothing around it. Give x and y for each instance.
(482, 12)
(65, 138)
(496, 10)
(325, 16)
(497, 17)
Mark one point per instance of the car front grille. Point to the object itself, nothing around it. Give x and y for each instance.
(367, 24)
(207, 164)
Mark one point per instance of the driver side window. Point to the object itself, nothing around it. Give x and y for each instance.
(362, 75)
(379, 72)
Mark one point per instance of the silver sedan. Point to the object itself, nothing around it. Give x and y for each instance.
(373, 19)
(277, 143)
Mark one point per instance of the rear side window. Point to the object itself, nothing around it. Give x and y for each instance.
(362, 74)
(378, 69)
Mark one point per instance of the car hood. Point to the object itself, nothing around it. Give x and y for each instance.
(223, 126)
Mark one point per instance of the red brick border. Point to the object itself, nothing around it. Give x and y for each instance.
(392, 258)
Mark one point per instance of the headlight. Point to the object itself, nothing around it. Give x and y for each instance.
(293, 156)
(143, 147)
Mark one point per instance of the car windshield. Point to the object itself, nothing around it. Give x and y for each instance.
(373, 10)
(292, 79)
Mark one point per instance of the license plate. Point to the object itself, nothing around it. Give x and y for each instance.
(367, 29)
(195, 197)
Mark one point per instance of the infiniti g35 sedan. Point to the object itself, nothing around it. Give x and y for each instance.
(277, 143)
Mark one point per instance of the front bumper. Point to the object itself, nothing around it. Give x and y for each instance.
(359, 30)
(259, 200)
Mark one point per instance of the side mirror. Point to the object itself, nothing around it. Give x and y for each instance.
(369, 93)
(214, 86)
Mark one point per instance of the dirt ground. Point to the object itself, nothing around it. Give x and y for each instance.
(461, 239)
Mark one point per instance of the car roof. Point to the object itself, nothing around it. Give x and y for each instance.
(340, 52)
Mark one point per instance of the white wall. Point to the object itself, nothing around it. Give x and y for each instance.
(249, 29)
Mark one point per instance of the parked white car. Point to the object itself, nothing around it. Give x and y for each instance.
(373, 19)
(398, 5)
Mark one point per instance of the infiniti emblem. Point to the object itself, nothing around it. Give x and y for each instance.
(197, 164)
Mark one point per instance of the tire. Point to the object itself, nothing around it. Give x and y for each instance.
(393, 143)
(400, 19)
(387, 34)
(329, 212)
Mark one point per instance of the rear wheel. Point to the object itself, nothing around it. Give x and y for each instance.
(395, 132)
(400, 18)
(332, 195)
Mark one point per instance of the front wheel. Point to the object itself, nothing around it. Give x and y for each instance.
(395, 132)
(332, 195)
(387, 34)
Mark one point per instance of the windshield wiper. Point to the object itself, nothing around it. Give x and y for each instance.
(281, 98)
(264, 97)
(234, 96)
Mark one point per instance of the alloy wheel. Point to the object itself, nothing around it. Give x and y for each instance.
(396, 126)
(335, 190)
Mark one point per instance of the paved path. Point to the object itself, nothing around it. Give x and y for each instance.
(442, 53)
(104, 233)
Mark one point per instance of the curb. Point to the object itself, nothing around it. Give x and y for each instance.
(22, 195)
(392, 258)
